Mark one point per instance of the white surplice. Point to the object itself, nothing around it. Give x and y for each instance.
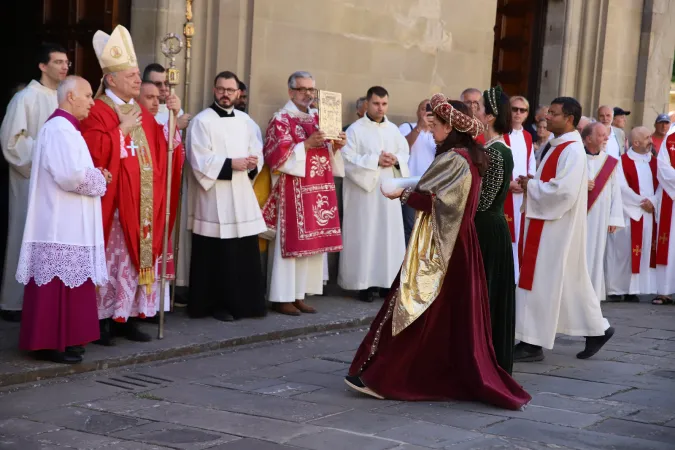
(222, 209)
(63, 237)
(372, 226)
(606, 212)
(665, 275)
(26, 113)
(619, 276)
(522, 166)
(291, 279)
(562, 299)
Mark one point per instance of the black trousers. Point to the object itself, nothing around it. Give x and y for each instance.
(225, 275)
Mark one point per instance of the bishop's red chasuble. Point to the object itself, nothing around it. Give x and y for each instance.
(138, 164)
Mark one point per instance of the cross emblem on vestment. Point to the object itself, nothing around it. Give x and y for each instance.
(508, 218)
(637, 250)
(672, 147)
(663, 238)
(133, 147)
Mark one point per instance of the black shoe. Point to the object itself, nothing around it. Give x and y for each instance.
(10, 316)
(383, 292)
(223, 316)
(614, 298)
(356, 384)
(630, 298)
(366, 295)
(106, 339)
(525, 352)
(76, 350)
(595, 343)
(130, 331)
(58, 357)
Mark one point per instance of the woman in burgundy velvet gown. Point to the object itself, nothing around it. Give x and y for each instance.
(432, 340)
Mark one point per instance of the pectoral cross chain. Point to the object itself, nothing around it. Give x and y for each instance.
(133, 147)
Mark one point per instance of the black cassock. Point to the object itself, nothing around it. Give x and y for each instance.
(225, 275)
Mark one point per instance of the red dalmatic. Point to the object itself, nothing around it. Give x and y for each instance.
(304, 207)
(630, 171)
(663, 238)
(102, 134)
(528, 261)
(509, 212)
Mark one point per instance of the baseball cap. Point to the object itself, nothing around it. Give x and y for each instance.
(662, 118)
(620, 112)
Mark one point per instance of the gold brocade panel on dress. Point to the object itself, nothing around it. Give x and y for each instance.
(448, 182)
(146, 270)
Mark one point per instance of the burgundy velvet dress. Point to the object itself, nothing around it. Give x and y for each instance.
(447, 353)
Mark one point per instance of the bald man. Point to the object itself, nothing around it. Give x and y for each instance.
(631, 260)
(583, 123)
(617, 138)
(64, 219)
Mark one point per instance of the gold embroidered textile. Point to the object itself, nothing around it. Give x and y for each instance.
(146, 269)
(448, 181)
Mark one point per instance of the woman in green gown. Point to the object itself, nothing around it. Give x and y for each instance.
(493, 231)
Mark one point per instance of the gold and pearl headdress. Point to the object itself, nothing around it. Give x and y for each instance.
(457, 119)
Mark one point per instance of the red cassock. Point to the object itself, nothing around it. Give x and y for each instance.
(102, 134)
(447, 353)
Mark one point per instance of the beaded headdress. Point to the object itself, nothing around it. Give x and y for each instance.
(493, 95)
(457, 119)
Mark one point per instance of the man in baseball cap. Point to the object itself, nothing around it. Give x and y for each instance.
(619, 120)
(661, 127)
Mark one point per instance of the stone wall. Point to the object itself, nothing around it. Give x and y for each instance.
(413, 48)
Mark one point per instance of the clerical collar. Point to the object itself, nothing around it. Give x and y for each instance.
(589, 153)
(518, 131)
(66, 115)
(222, 112)
(116, 100)
(384, 119)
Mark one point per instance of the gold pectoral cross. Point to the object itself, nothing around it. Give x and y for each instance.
(637, 250)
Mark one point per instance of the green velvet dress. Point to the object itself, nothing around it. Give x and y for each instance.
(495, 244)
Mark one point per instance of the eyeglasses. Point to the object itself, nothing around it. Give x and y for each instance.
(61, 62)
(515, 109)
(474, 105)
(311, 91)
(228, 91)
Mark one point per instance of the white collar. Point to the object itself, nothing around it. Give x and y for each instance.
(635, 156)
(116, 100)
(293, 110)
(34, 84)
(519, 131)
(571, 136)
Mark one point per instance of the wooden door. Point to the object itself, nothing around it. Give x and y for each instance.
(519, 35)
(71, 23)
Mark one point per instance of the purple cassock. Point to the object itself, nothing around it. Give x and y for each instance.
(62, 253)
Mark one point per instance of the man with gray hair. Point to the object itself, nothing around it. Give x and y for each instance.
(301, 212)
(604, 208)
(360, 110)
(63, 251)
(471, 97)
(617, 138)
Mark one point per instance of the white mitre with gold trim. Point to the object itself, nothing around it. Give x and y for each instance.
(115, 52)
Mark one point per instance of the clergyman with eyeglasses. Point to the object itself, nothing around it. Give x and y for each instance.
(302, 209)
(27, 112)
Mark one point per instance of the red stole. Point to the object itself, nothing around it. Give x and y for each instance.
(663, 239)
(601, 179)
(531, 245)
(101, 132)
(630, 171)
(306, 206)
(509, 213)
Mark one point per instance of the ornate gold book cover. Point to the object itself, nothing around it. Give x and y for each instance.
(330, 113)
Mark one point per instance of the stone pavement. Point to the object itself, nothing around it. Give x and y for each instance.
(290, 395)
(184, 336)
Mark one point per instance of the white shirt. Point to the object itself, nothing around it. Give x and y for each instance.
(423, 151)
